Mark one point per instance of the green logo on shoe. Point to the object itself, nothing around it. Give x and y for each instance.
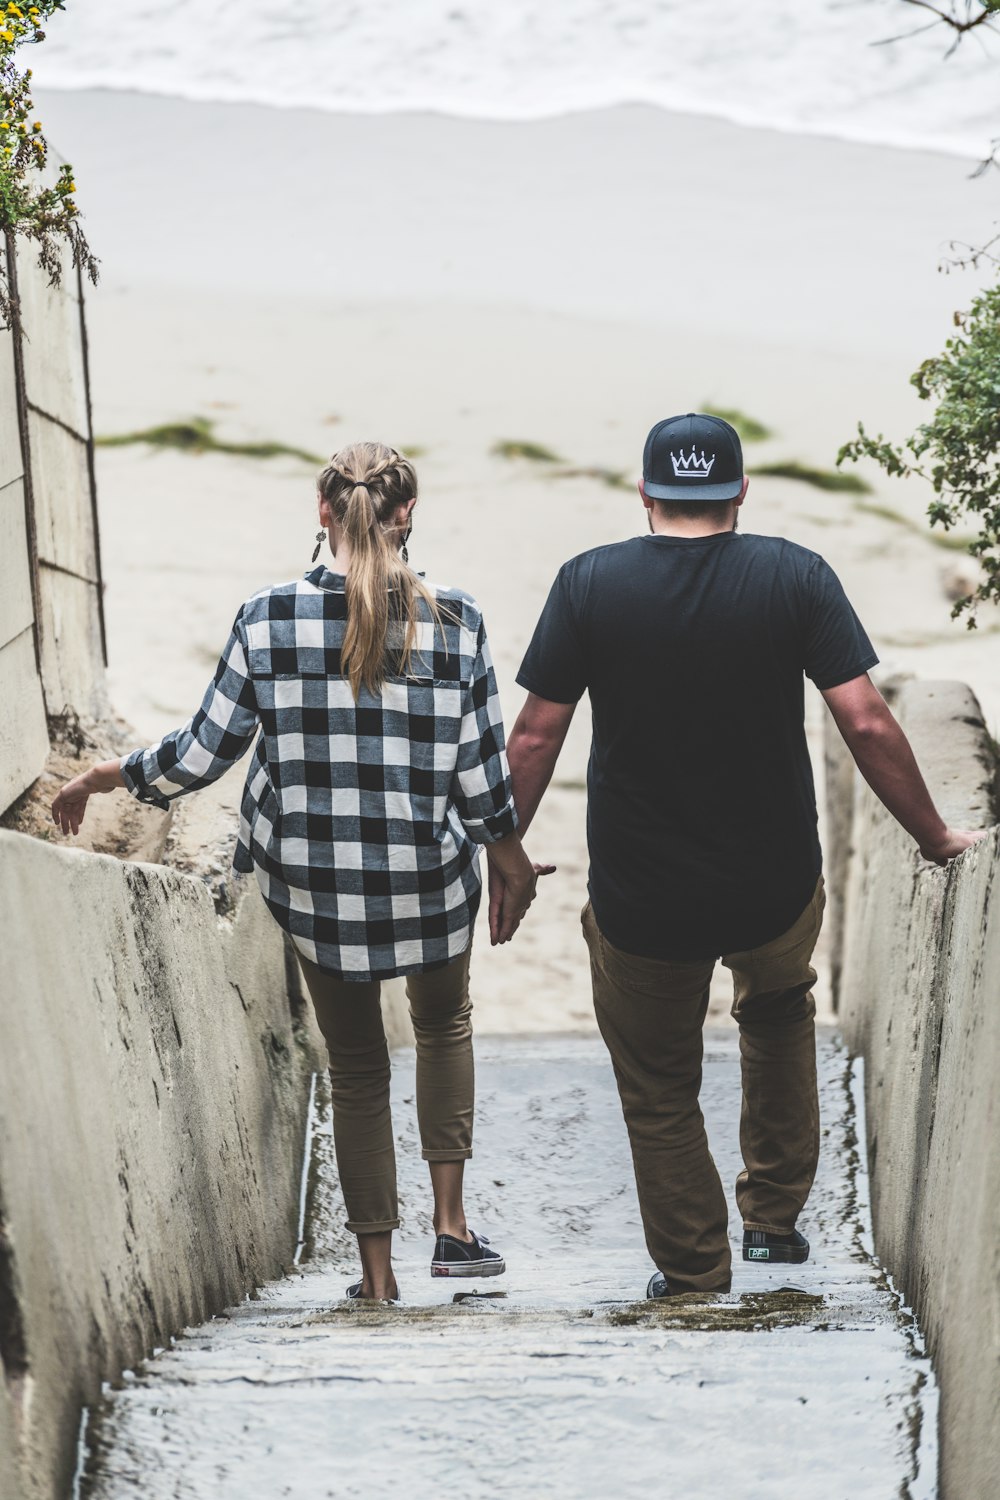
(759, 1254)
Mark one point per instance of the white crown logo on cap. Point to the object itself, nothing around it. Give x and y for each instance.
(692, 465)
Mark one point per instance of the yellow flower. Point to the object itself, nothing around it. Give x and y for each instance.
(71, 187)
(37, 125)
(6, 36)
(4, 125)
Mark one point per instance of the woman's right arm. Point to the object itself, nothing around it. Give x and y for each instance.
(216, 737)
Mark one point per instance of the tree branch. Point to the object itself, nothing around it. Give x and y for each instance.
(952, 20)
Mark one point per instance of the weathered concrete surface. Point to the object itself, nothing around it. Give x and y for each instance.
(562, 1388)
(153, 1078)
(919, 992)
(49, 549)
(24, 739)
(24, 735)
(58, 425)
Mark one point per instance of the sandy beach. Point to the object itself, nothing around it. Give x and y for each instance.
(450, 285)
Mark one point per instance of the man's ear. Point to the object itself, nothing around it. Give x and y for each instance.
(643, 496)
(743, 492)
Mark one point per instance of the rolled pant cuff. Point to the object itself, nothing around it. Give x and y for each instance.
(375, 1228)
(749, 1224)
(447, 1155)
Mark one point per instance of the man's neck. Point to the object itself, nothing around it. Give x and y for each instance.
(685, 526)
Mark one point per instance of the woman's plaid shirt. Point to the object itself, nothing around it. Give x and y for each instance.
(361, 820)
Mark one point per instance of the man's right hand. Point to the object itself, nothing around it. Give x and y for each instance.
(954, 842)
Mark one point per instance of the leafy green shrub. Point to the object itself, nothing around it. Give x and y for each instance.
(958, 450)
(46, 215)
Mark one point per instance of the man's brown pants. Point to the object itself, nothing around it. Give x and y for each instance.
(651, 1013)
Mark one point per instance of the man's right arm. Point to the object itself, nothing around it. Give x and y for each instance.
(887, 763)
(533, 749)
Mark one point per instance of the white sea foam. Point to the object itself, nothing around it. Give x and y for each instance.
(803, 65)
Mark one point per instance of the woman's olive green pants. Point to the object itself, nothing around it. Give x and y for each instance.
(350, 1018)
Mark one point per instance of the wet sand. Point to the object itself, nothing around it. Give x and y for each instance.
(449, 285)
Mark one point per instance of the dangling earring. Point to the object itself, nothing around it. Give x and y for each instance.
(320, 539)
(404, 554)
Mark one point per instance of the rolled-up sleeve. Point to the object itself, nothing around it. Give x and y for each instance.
(481, 787)
(216, 737)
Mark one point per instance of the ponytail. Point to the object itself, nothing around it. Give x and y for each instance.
(364, 484)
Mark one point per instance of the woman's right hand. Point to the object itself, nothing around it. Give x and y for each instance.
(70, 803)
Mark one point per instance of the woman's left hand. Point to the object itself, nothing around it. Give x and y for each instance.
(70, 803)
(510, 895)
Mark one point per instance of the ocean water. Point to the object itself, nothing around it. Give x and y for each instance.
(822, 66)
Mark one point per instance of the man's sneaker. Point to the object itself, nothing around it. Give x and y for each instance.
(790, 1249)
(454, 1257)
(659, 1287)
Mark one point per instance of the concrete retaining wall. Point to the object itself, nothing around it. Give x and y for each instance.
(919, 998)
(57, 438)
(153, 1075)
(24, 740)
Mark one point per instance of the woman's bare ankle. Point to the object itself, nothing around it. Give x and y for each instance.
(452, 1224)
(380, 1290)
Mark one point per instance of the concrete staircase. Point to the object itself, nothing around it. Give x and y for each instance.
(807, 1382)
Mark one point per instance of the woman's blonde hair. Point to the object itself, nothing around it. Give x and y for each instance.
(363, 485)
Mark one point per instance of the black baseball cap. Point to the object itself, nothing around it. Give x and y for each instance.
(694, 457)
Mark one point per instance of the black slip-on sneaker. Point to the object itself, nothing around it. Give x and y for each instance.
(454, 1257)
(659, 1287)
(788, 1249)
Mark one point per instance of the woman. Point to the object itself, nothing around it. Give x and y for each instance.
(379, 770)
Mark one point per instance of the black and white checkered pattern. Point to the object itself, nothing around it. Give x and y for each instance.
(361, 820)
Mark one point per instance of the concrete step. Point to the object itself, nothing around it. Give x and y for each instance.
(553, 1380)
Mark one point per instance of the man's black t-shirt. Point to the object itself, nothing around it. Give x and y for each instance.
(701, 812)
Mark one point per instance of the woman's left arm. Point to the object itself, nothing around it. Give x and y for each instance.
(216, 737)
(481, 788)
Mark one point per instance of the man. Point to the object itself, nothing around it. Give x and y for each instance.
(692, 642)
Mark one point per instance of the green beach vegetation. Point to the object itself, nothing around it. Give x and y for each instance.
(537, 453)
(34, 204)
(198, 436)
(820, 479)
(950, 541)
(619, 479)
(749, 429)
